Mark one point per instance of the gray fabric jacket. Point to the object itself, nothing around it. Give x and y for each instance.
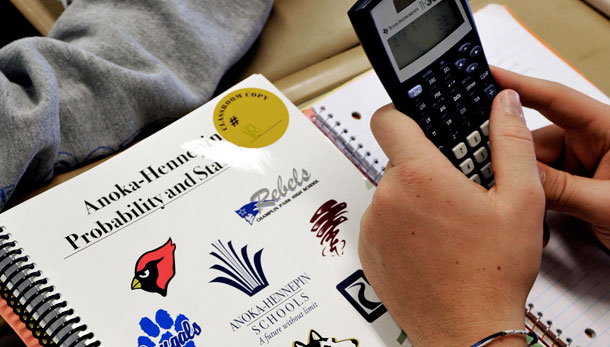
(108, 70)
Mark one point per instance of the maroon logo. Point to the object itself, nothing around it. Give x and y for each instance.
(326, 220)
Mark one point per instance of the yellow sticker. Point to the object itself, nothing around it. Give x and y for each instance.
(251, 117)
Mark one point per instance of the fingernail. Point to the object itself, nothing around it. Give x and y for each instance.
(512, 103)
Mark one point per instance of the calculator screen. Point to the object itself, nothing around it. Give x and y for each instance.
(402, 4)
(425, 32)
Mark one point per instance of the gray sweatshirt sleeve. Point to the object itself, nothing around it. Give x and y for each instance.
(108, 70)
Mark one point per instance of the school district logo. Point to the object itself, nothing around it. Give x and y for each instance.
(249, 211)
(167, 331)
(316, 340)
(357, 290)
(241, 272)
(155, 269)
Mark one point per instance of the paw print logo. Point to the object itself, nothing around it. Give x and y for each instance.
(179, 332)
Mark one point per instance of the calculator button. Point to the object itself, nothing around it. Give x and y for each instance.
(446, 69)
(453, 136)
(476, 99)
(485, 128)
(491, 184)
(462, 110)
(475, 51)
(470, 84)
(427, 120)
(475, 178)
(481, 155)
(490, 91)
(433, 135)
(467, 166)
(465, 47)
(431, 81)
(486, 171)
(460, 64)
(460, 151)
(456, 97)
(472, 67)
(415, 91)
(451, 83)
(440, 109)
(474, 139)
(484, 75)
(437, 95)
(421, 106)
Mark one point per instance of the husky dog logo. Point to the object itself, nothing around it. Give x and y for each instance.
(316, 340)
(357, 290)
(241, 274)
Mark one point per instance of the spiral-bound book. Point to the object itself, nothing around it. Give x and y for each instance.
(234, 226)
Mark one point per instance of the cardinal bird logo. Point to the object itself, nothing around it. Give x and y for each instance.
(154, 269)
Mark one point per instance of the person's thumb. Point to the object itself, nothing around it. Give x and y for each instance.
(512, 150)
(584, 198)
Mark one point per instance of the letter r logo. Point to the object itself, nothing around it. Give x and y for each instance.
(359, 293)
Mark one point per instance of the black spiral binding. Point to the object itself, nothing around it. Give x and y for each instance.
(23, 286)
(353, 150)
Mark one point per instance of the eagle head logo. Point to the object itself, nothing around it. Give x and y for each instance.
(154, 269)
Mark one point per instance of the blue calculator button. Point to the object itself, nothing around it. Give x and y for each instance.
(472, 67)
(491, 91)
(465, 47)
(460, 64)
(476, 51)
(415, 91)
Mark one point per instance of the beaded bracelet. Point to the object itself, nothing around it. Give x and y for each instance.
(489, 339)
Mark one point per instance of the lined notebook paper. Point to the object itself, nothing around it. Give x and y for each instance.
(572, 291)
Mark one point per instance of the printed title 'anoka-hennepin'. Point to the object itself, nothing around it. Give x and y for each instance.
(147, 175)
(194, 175)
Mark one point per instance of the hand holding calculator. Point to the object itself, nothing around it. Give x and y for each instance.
(428, 55)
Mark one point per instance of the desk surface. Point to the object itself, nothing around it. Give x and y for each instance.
(577, 31)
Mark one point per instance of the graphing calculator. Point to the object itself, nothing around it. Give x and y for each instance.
(428, 56)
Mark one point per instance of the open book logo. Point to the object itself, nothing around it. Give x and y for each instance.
(357, 290)
(239, 271)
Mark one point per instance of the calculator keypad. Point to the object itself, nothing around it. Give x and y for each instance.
(453, 99)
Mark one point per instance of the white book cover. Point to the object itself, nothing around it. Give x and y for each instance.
(235, 226)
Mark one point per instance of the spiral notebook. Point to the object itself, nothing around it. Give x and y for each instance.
(570, 302)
